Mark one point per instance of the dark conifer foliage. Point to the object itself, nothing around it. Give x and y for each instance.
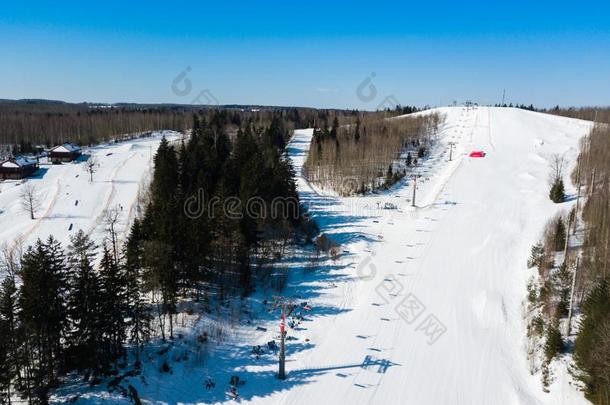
(43, 315)
(232, 199)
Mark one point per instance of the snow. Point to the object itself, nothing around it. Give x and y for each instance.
(460, 259)
(17, 162)
(10, 164)
(425, 304)
(67, 198)
(65, 148)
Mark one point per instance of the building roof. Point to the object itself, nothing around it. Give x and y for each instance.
(17, 163)
(66, 148)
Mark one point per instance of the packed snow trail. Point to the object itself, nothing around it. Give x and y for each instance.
(437, 315)
(69, 199)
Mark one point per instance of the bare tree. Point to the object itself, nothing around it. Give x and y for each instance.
(10, 258)
(557, 164)
(91, 167)
(111, 218)
(30, 201)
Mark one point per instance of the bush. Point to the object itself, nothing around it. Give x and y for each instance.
(536, 256)
(554, 343)
(559, 237)
(557, 193)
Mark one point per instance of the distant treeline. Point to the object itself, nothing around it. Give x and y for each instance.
(25, 124)
(584, 113)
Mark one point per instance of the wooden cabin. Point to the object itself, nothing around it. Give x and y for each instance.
(17, 168)
(64, 153)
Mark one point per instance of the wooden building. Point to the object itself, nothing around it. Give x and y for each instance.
(17, 168)
(64, 153)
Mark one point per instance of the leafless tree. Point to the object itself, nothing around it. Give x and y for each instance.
(91, 167)
(557, 165)
(30, 200)
(111, 218)
(10, 258)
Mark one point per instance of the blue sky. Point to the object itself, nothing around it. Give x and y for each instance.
(314, 53)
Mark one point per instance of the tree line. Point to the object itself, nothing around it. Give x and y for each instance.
(59, 312)
(600, 115)
(28, 124)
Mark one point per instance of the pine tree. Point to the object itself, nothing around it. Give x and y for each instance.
(554, 343)
(9, 338)
(83, 303)
(559, 237)
(592, 347)
(557, 193)
(5, 363)
(137, 310)
(536, 255)
(43, 315)
(112, 310)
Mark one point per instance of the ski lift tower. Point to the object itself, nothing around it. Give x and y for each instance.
(287, 308)
(415, 176)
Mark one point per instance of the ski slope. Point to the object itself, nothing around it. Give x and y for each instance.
(424, 306)
(68, 199)
(434, 304)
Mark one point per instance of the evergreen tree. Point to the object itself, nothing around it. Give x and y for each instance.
(137, 310)
(592, 346)
(536, 255)
(83, 303)
(554, 343)
(559, 237)
(112, 310)
(43, 315)
(557, 193)
(9, 335)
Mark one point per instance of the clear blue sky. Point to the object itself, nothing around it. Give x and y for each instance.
(311, 53)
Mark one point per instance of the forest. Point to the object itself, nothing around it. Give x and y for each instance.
(358, 156)
(27, 125)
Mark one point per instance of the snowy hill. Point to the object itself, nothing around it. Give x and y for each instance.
(439, 299)
(438, 304)
(424, 305)
(68, 201)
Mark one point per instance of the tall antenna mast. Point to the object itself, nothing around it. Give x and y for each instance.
(503, 96)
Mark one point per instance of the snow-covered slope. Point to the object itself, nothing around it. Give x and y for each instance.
(434, 312)
(424, 306)
(68, 199)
